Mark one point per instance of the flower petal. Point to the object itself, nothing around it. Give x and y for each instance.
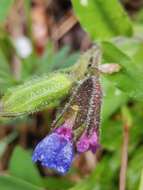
(54, 152)
(65, 131)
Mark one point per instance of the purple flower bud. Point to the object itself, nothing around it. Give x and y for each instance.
(86, 142)
(83, 143)
(94, 144)
(55, 151)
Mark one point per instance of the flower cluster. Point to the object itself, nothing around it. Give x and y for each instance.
(56, 151)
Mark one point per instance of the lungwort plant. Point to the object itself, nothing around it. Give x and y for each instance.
(93, 86)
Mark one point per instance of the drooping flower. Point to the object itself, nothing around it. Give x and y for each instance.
(55, 151)
(87, 142)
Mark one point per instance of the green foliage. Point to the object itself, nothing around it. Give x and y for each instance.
(4, 8)
(9, 182)
(114, 129)
(54, 74)
(130, 78)
(112, 96)
(24, 175)
(50, 61)
(134, 169)
(100, 178)
(141, 182)
(6, 78)
(53, 183)
(99, 19)
(43, 92)
(21, 166)
(57, 61)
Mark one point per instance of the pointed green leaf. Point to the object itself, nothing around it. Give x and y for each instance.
(13, 183)
(21, 166)
(112, 96)
(103, 19)
(130, 77)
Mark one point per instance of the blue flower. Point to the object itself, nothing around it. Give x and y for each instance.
(55, 151)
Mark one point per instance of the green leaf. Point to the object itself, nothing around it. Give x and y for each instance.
(4, 8)
(35, 95)
(139, 16)
(138, 30)
(50, 61)
(129, 46)
(44, 92)
(56, 60)
(21, 166)
(130, 78)
(112, 96)
(12, 183)
(111, 129)
(141, 181)
(6, 78)
(138, 57)
(103, 19)
(136, 131)
(134, 169)
(53, 183)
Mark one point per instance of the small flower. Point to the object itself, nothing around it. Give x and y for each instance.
(55, 151)
(83, 144)
(87, 142)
